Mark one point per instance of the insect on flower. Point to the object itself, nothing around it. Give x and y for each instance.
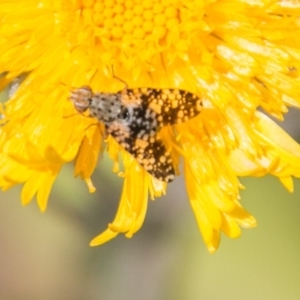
(134, 116)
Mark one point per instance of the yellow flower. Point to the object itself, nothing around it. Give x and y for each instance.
(237, 55)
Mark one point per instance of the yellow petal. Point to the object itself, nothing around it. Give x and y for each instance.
(235, 55)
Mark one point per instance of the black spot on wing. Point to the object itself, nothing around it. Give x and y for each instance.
(150, 153)
(153, 156)
(171, 106)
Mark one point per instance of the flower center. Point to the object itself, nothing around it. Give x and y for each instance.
(130, 19)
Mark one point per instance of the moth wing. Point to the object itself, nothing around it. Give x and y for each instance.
(151, 153)
(172, 106)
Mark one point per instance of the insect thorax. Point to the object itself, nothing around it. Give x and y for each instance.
(107, 107)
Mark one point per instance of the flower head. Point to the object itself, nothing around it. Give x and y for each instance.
(235, 55)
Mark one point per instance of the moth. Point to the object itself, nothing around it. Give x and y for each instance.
(134, 117)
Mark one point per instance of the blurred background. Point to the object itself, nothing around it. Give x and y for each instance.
(46, 256)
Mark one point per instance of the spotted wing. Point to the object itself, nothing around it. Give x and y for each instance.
(150, 152)
(170, 106)
(134, 116)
